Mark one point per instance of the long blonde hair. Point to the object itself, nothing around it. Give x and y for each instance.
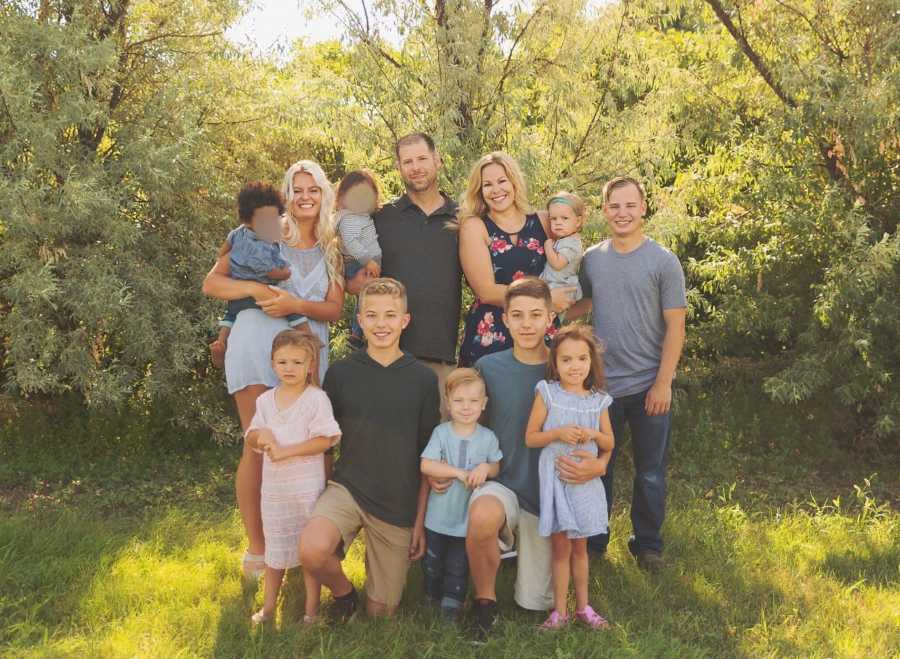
(325, 232)
(473, 204)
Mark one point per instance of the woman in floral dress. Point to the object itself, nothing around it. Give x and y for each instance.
(500, 241)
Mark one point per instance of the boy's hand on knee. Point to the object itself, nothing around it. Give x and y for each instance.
(373, 269)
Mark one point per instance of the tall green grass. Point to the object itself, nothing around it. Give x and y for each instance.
(118, 542)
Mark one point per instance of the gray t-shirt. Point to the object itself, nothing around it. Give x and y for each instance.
(448, 512)
(572, 250)
(629, 293)
(510, 388)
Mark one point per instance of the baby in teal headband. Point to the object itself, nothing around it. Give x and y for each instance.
(564, 250)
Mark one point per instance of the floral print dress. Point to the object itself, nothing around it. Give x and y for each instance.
(485, 332)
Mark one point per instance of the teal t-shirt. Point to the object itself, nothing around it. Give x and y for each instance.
(510, 388)
(448, 513)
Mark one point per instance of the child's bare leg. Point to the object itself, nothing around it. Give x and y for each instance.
(580, 572)
(562, 550)
(273, 587)
(218, 347)
(313, 593)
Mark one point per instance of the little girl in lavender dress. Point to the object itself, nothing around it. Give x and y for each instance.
(570, 413)
(293, 426)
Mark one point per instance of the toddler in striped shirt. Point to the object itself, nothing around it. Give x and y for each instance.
(357, 199)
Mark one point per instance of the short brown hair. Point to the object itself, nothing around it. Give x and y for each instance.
(304, 340)
(383, 286)
(579, 332)
(412, 138)
(621, 182)
(528, 287)
(462, 376)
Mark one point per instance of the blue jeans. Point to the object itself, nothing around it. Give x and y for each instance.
(650, 436)
(446, 569)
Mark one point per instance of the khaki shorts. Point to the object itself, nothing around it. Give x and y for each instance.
(442, 370)
(534, 588)
(387, 546)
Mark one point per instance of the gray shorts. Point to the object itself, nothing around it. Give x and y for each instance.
(534, 588)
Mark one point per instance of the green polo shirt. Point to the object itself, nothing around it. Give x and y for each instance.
(418, 250)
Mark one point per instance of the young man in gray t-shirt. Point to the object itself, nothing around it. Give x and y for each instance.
(636, 289)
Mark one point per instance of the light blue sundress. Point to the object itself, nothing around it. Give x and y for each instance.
(579, 511)
(248, 359)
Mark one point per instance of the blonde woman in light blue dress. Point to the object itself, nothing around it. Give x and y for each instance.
(314, 290)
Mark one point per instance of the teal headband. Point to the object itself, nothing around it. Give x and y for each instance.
(560, 200)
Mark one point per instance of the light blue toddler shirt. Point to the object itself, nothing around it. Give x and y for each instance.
(448, 513)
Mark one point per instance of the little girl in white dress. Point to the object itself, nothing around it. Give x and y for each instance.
(293, 426)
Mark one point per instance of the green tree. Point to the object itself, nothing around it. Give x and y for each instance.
(102, 240)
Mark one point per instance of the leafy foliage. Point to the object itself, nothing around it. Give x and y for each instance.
(766, 131)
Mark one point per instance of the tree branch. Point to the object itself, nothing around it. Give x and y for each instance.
(579, 150)
(751, 54)
(507, 65)
(822, 37)
(171, 35)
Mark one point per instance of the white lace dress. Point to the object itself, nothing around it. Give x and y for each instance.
(290, 487)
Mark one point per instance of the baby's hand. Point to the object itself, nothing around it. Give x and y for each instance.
(571, 434)
(462, 476)
(478, 475)
(373, 269)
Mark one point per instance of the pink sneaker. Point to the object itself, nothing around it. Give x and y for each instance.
(554, 622)
(591, 618)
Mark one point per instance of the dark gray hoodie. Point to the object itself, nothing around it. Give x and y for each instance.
(386, 414)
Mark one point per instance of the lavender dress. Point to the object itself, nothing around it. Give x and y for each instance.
(579, 511)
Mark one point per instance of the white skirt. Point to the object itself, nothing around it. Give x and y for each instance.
(248, 359)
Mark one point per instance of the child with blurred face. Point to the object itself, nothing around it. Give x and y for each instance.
(358, 198)
(254, 255)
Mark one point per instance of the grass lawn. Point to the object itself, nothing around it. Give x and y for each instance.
(118, 539)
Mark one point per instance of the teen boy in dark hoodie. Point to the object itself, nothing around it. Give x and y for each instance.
(387, 404)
